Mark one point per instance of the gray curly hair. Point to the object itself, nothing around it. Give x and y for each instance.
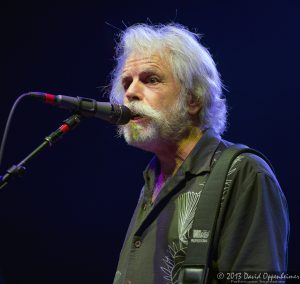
(191, 63)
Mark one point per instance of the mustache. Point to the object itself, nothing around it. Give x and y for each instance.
(140, 109)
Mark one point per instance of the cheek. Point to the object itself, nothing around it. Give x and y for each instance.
(157, 104)
(160, 99)
(166, 103)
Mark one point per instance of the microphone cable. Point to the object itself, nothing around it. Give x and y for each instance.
(7, 125)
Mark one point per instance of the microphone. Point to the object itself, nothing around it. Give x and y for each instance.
(113, 113)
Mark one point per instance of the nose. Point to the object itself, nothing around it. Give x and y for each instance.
(134, 91)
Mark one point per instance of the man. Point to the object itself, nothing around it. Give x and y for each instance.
(171, 84)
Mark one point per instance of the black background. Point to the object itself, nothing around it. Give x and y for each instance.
(65, 220)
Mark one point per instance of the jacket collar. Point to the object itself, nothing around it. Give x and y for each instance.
(198, 162)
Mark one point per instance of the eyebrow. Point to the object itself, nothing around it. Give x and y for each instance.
(147, 71)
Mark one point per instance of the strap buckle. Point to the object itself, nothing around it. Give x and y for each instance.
(192, 275)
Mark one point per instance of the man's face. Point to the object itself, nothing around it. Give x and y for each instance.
(151, 91)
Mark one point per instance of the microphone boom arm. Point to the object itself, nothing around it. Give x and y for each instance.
(19, 169)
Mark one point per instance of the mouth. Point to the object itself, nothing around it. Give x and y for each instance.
(137, 117)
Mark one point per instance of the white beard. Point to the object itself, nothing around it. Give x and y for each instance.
(135, 134)
(158, 125)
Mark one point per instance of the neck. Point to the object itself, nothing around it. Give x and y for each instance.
(172, 154)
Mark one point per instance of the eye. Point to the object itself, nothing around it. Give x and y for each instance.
(153, 80)
(126, 83)
(125, 86)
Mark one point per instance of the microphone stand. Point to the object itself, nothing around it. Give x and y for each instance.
(19, 169)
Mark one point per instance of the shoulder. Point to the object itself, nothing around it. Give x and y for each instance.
(253, 164)
(251, 176)
(249, 163)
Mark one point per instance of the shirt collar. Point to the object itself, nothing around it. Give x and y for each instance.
(200, 159)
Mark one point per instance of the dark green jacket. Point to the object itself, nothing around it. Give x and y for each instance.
(253, 236)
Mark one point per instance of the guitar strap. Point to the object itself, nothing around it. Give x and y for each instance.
(195, 269)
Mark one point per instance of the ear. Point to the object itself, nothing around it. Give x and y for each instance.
(194, 105)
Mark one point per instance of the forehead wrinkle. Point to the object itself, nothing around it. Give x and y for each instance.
(153, 63)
